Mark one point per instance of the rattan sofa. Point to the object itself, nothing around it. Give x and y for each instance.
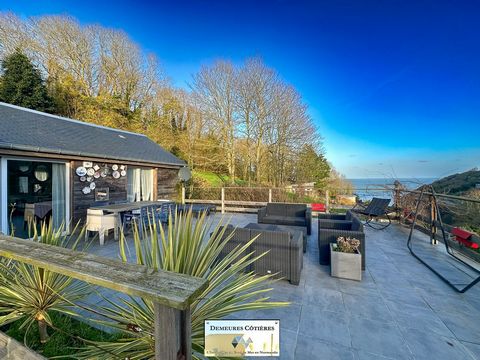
(332, 226)
(285, 251)
(286, 214)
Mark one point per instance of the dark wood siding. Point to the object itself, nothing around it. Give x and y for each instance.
(81, 202)
(167, 179)
(165, 184)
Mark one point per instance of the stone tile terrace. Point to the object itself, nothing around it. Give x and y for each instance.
(400, 310)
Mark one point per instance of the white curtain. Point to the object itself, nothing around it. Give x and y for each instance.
(58, 195)
(147, 184)
(133, 184)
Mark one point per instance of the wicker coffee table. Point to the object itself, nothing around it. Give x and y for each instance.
(283, 228)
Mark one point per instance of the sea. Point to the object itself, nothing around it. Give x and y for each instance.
(367, 188)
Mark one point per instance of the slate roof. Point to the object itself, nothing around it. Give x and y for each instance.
(30, 130)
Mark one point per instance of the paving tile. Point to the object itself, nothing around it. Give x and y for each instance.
(289, 316)
(324, 325)
(404, 295)
(313, 349)
(447, 301)
(473, 349)
(425, 346)
(284, 291)
(367, 306)
(465, 327)
(378, 337)
(421, 318)
(324, 298)
(365, 355)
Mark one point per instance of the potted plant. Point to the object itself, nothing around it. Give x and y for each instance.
(346, 259)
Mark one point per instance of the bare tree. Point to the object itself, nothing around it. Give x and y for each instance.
(214, 89)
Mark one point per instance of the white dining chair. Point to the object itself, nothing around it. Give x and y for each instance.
(99, 222)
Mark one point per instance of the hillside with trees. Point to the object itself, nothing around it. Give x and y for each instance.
(464, 184)
(242, 122)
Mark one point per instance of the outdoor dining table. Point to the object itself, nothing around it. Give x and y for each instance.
(118, 209)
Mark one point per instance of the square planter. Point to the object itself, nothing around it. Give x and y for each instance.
(345, 265)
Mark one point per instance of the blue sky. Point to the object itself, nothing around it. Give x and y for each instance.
(393, 86)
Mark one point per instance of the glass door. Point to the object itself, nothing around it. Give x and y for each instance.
(36, 194)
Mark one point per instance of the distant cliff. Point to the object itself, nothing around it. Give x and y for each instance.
(459, 184)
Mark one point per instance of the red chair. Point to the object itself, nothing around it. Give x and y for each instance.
(463, 237)
(319, 207)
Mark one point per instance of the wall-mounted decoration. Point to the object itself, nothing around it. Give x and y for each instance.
(37, 188)
(41, 173)
(102, 194)
(24, 168)
(91, 171)
(23, 184)
(81, 171)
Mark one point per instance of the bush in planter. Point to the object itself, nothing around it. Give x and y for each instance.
(347, 245)
(345, 259)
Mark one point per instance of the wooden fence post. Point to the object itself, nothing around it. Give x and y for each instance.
(165, 333)
(327, 201)
(396, 198)
(269, 195)
(186, 333)
(172, 333)
(223, 200)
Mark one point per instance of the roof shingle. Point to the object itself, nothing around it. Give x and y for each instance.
(29, 130)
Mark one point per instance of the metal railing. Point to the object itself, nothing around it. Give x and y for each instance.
(250, 199)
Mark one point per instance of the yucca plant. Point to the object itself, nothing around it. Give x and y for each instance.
(30, 293)
(184, 247)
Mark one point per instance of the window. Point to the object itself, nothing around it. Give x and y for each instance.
(140, 184)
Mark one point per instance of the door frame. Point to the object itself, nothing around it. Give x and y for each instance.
(4, 212)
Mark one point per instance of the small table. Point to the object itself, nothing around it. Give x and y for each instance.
(282, 228)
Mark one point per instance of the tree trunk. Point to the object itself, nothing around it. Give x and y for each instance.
(42, 329)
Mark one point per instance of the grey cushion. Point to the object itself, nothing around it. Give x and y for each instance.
(270, 227)
(276, 209)
(273, 219)
(296, 210)
(294, 221)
